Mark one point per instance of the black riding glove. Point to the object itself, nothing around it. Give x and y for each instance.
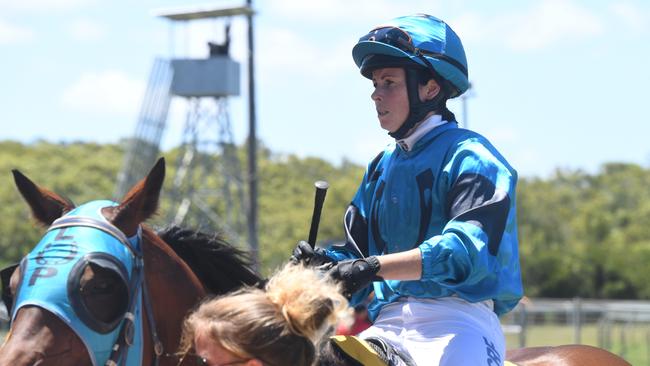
(310, 256)
(356, 274)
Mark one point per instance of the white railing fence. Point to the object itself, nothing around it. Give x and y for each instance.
(616, 322)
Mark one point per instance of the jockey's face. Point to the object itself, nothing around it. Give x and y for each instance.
(390, 97)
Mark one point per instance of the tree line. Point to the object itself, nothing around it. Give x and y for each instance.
(581, 234)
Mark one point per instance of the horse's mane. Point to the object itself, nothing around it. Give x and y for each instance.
(219, 266)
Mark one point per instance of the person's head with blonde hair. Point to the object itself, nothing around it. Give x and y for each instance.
(280, 325)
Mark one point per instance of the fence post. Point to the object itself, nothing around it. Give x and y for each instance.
(647, 346)
(601, 331)
(523, 323)
(577, 320)
(623, 352)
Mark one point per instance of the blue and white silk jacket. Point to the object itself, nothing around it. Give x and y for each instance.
(452, 195)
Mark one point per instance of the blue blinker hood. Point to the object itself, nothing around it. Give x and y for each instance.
(52, 270)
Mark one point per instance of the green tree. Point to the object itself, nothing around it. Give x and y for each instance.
(580, 234)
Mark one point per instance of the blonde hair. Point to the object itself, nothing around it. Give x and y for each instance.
(280, 325)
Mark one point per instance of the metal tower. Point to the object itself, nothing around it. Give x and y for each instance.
(142, 149)
(208, 156)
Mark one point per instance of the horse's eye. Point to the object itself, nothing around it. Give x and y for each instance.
(105, 295)
(99, 288)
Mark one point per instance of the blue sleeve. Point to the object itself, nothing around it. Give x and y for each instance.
(477, 187)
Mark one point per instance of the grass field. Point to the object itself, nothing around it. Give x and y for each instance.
(629, 341)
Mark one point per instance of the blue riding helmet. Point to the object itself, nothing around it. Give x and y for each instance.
(422, 39)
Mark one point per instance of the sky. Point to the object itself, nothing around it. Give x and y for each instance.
(557, 84)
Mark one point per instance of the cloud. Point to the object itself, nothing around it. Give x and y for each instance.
(552, 21)
(632, 17)
(10, 33)
(41, 6)
(86, 30)
(108, 91)
(547, 23)
(291, 50)
(332, 12)
(326, 11)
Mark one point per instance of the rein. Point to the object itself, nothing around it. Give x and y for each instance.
(137, 285)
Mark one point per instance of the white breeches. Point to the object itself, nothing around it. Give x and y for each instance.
(447, 331)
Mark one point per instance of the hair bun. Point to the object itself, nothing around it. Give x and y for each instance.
(308, 301)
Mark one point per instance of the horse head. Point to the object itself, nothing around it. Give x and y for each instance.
(81, 296)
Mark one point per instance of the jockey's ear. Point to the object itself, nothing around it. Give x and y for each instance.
(46, 206)
(141, 202)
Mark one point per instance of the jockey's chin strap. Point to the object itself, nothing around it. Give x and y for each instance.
(127, 330)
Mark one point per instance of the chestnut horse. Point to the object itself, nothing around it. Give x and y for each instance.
(124, 289)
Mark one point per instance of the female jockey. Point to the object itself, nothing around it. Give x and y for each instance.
(432, 228)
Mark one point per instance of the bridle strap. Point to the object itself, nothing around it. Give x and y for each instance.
(120, 347)
(127, 330)
(70, 221)
(157, 344)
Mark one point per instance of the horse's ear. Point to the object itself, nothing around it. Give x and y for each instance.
(141, 201)
(45, 205)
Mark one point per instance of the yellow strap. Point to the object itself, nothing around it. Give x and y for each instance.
(358, 349)
(508, 363)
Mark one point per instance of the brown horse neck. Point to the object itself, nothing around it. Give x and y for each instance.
(176, 288)
(156, 252)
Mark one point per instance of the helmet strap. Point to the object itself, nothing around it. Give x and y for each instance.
(419, 109)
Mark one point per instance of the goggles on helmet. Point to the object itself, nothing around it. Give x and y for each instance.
(392, 36)
(400, 39)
